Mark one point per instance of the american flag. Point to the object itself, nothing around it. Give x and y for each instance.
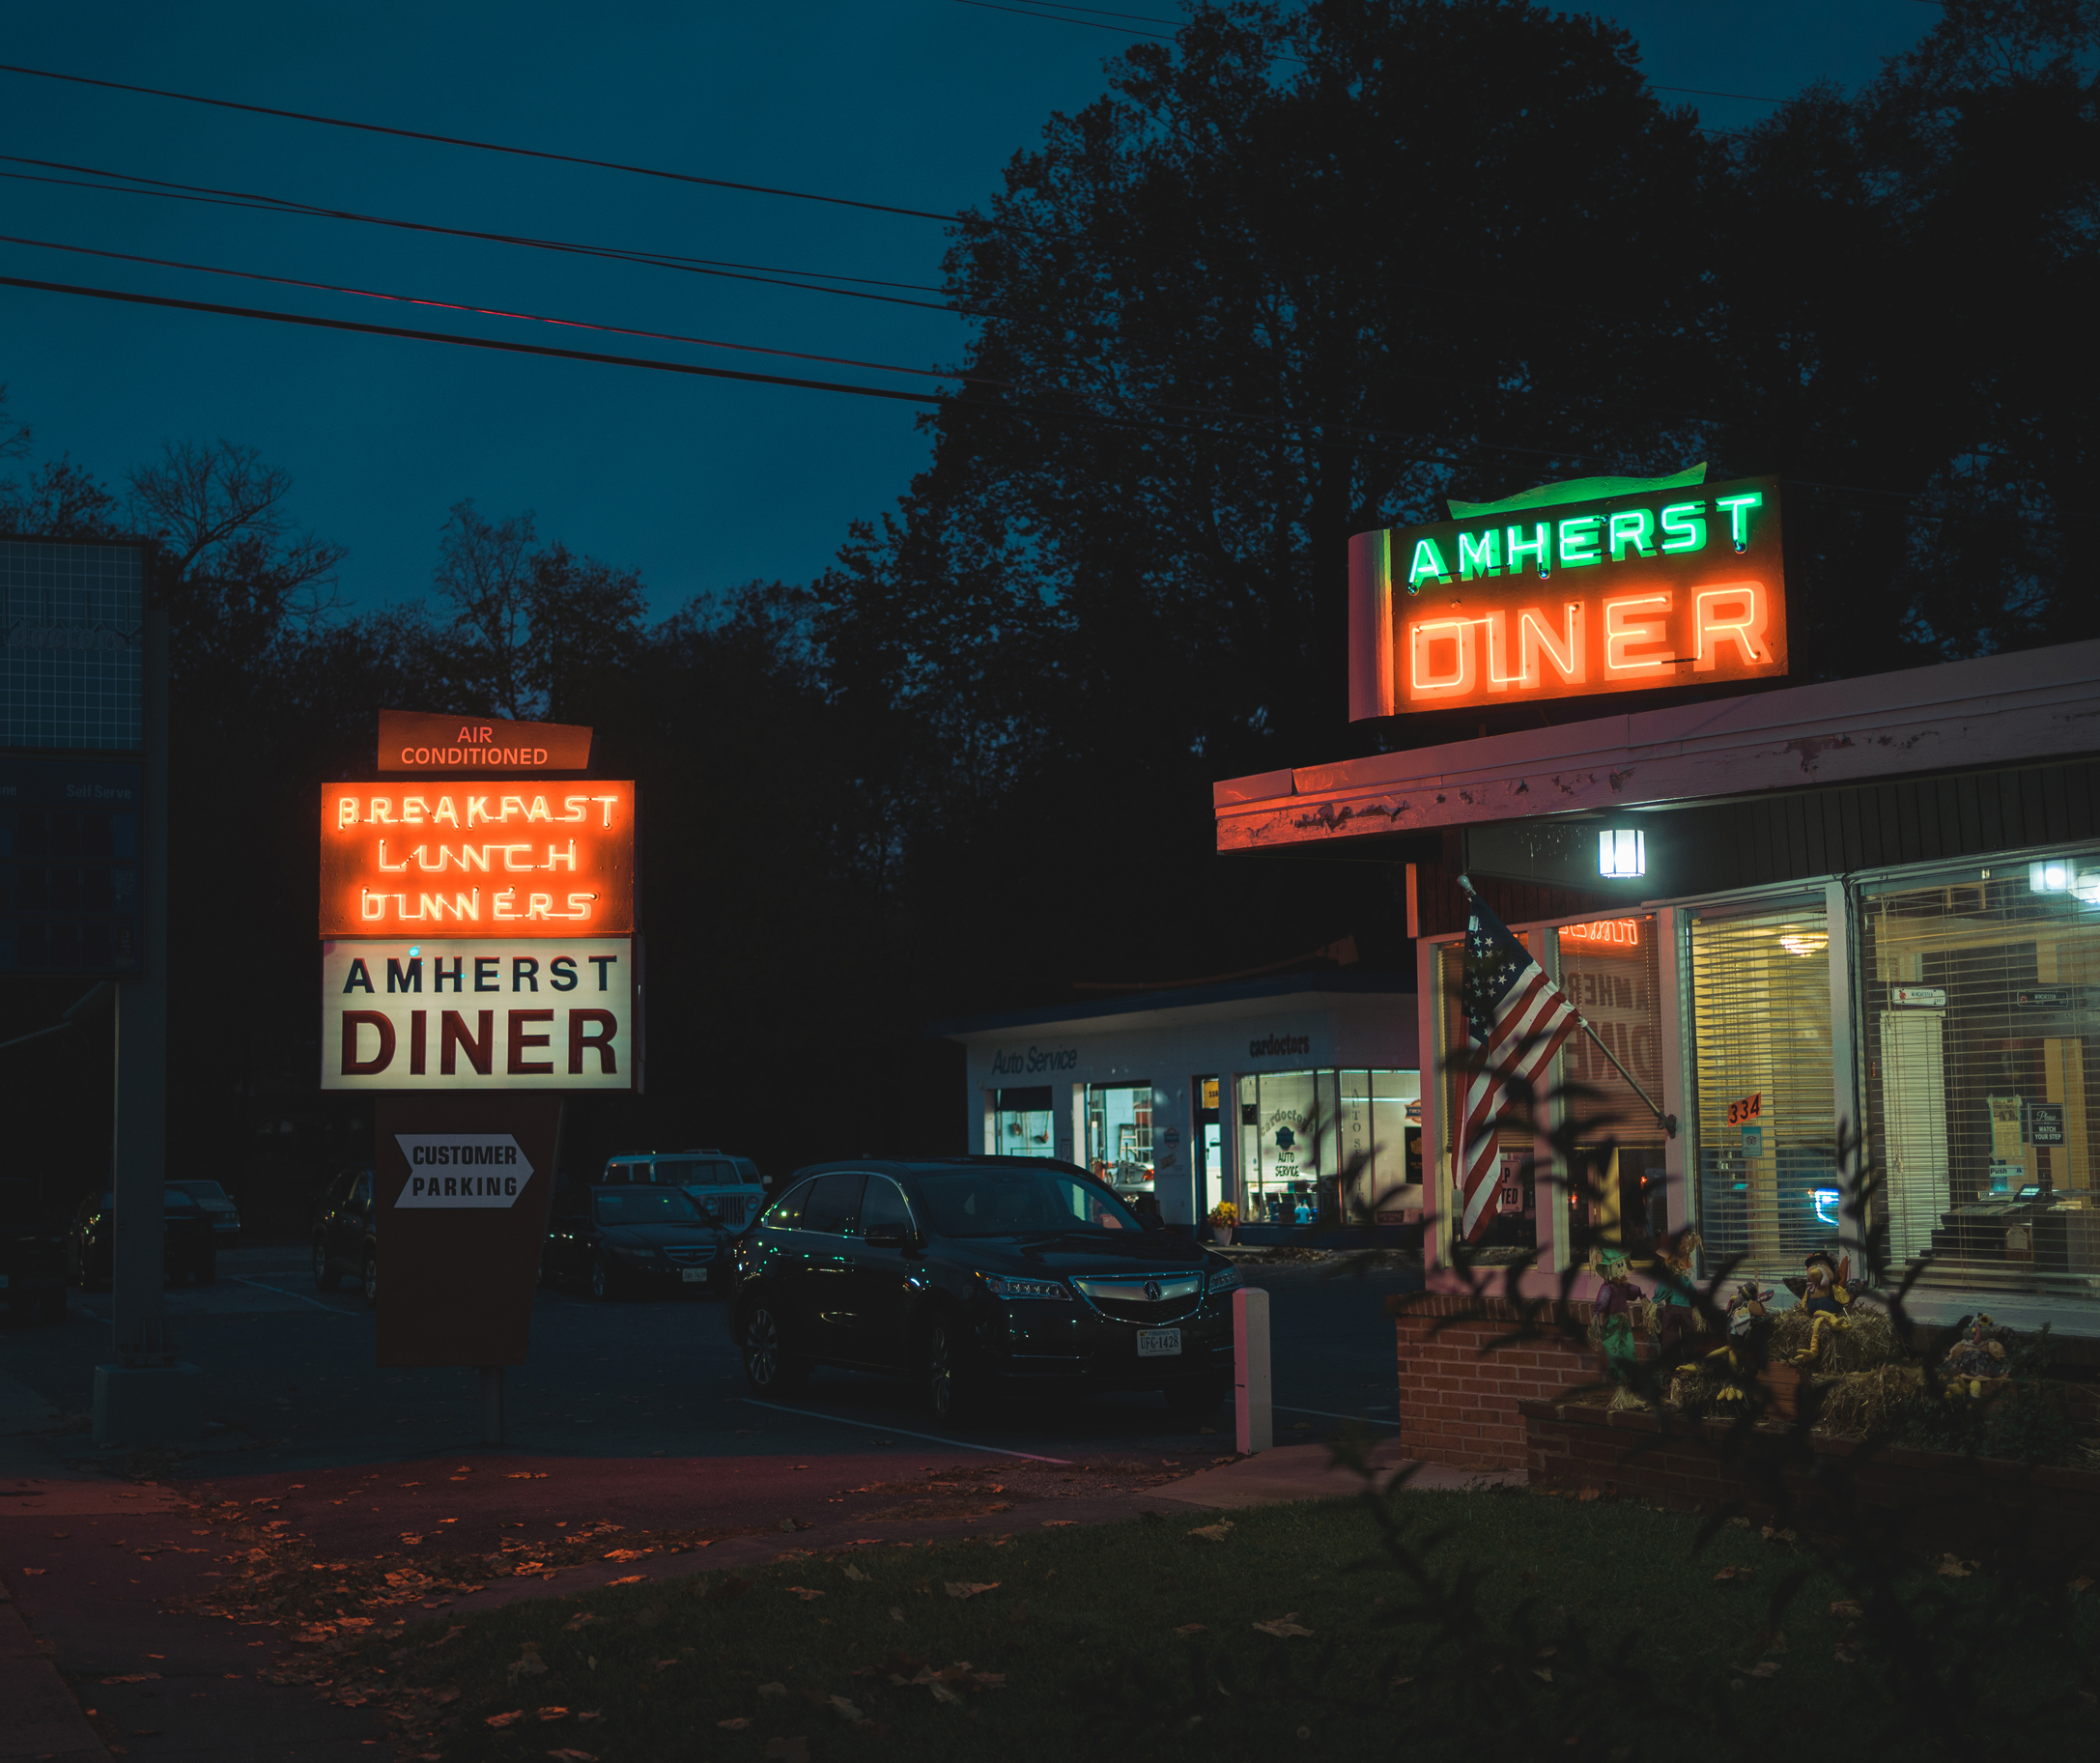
(1517, 1019)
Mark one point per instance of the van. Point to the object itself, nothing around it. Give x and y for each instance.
(727, 1188)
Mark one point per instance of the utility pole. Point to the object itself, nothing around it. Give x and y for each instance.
(145, 1397)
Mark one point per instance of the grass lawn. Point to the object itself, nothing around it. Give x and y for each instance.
(1598, 1629)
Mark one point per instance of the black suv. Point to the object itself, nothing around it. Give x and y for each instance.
(346, 1236)
(969, 1273)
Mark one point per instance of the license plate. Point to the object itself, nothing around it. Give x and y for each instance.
(693, 1275)
(1159, 1342)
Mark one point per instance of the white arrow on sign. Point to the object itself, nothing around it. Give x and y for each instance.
(462, 1169)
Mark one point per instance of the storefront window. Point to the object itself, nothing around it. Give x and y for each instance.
(1982, 1040)
(1609, 968)
(1764, 1095)
(1300, 1132)
(1021, 1123)
(1120, 1133)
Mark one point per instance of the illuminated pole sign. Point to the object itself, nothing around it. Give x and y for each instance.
(479, 959)
(1604, 585)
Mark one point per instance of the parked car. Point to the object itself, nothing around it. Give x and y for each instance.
(626, 1236)
(190, 1251)
(219, 1206)
(346, 1236)
(726, 1187)
(971, 1273)
(32, 1251)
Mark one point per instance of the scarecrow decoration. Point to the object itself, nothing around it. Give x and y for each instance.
(1825, 1296)
(1977, 1362)
(1741, 1356)
(1611, 1324)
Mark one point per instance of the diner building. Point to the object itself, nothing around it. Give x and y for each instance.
(1827, 929)
(1297, 1097)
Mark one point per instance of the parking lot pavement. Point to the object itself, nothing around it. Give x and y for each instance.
(629, 1413)
(289, 1381)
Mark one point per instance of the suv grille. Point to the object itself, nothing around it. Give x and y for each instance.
(689, 1254)
(1133, 1300)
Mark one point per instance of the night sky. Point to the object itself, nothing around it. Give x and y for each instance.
(701, 484)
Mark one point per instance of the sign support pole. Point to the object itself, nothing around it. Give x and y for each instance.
(492, 1405)
(145, 1397)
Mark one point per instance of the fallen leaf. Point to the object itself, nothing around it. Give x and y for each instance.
(854, 1573)
(1544, 1673)
(805, 1592)
(846, 1710)
(1213, 1533)
(625, 1554)
(592, 1714)
(1192, 1628)
(1590, 1493)
(790, 1751)
(35, 1570)
(1734, 1573)
(1953, 1568)
(1847, 1653)
(1846, 1606)
(448, 1635)
(736, 1725)
(1763, 1667)
(965, 1588)
(768, 1692)
(896, 1612)
(569, 1754)
(793, 1525)
(1284, 1626)
(134, 1677)
(528, 1663)
(630, 1579)
(553, 1714)
(526, 1475)
(500, 1720)
(942, 1693)
(2080, 1585)
(583, 1619)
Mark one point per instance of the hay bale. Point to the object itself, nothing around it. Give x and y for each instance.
(1869, 1342)
(1860, 1402)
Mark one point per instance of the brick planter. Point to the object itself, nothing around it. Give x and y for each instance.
(1935, 1499)
(1458, 1393)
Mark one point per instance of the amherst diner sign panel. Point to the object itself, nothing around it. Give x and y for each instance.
(510, 858)
(1653, 586)
(455, 1013)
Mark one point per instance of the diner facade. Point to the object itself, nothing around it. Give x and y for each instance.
(1841, 944)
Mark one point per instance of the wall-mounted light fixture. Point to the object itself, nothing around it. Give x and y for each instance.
(1622, 853)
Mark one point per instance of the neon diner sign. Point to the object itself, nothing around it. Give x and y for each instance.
(1607, 584)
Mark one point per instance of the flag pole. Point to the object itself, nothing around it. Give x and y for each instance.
(1668, 1122)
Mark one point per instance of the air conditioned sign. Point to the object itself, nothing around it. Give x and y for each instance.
(1606, 585)
(458, 1014)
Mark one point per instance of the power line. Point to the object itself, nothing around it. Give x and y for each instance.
(450, 140)
(663, 260)
(120, 182)
(499, 312)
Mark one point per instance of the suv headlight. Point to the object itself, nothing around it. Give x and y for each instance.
(1223, 1279)
(999, 1286)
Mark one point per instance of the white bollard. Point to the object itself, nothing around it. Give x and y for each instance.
(1253, 1427)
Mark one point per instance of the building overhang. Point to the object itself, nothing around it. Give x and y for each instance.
(1996, 710)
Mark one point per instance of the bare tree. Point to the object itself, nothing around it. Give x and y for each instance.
(234, 568)
(485, 571)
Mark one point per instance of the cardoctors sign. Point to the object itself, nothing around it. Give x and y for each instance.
(1603, 584)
